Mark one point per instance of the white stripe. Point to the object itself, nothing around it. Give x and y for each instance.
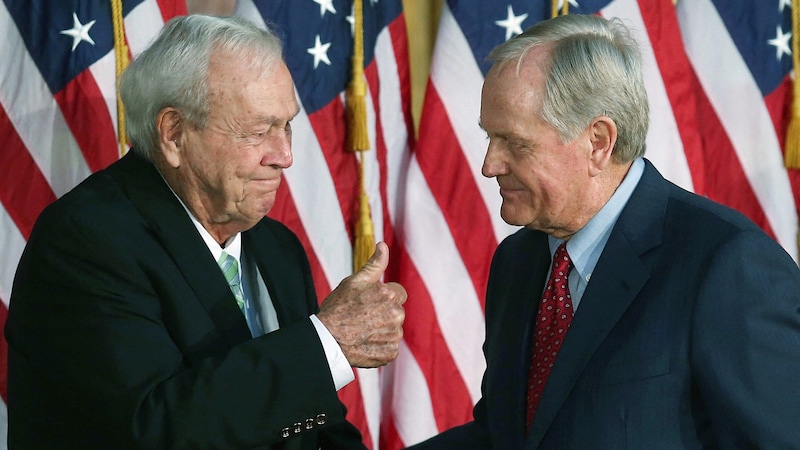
(458, 80)
(395, 131)
(409, 399)
(104, 72)
(12, 243)
(434, 253)
(369, 380)
(142, 25)
(3, 425)
(35, 115)
(664, 144)
(743, 115)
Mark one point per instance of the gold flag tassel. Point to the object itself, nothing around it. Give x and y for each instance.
(121, 53)
(792, 151)
(356, 99)
(564, 8)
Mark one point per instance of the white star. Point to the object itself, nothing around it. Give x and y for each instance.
(784, 3)
(324, 6)
(351, 19)
(79, 32)
(320, 52)
(573, 3)
(512, 24)
(781, 43)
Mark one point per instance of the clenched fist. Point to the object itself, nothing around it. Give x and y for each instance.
(366, 316)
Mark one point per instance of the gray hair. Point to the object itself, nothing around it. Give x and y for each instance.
(594, 69)
(173, 71)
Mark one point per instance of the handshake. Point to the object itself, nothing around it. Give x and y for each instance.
(365, 315)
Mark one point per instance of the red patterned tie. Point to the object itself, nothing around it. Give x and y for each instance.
(552, 321)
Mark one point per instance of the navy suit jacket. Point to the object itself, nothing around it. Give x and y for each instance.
(123, 333)
(687, 337)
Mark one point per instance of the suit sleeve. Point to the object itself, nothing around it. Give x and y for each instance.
(92, 342)
(746, 344)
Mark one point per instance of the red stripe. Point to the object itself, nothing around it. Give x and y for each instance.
(729, 184)
(456, 193)
(171, 8)
(452, 404)
(389, 437)
(661, 23)
(86, 113)
(397, 30)
(24, 191)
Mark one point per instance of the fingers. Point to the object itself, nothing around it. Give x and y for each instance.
(372, 270)
(398, 292)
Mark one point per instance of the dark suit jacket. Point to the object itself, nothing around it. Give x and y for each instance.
(687, 337)
(123, 333)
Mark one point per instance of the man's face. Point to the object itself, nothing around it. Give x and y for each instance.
(234, 165)
(542, 180)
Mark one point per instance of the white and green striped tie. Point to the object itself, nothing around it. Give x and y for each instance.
(230, 269)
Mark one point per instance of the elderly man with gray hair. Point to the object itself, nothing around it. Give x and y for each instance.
(155, 306)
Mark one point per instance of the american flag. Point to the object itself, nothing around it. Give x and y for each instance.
(58, 112)
(719, 107)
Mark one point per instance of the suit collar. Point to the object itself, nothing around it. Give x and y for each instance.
(622, 270)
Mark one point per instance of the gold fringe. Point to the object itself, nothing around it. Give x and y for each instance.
(121, 53)
(365, 234)
(358, 139)
(792, 151)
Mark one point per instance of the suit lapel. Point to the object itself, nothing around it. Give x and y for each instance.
(281, 274)
(160, 207)
(620, 274)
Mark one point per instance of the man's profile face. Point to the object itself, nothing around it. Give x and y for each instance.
(542, 180)
(235, 163)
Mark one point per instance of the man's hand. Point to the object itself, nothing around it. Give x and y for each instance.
(366, 316)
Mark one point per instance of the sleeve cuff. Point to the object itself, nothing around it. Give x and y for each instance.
(341, 371)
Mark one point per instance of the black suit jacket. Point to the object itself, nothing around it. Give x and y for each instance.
(123, 333)
(687, 337)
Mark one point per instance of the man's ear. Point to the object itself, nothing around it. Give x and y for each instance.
(170, 126)
(603, 136)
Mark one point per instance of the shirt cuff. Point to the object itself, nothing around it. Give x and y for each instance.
(341, 371)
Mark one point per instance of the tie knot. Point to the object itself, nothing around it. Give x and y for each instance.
(561, 260)
(230, 268)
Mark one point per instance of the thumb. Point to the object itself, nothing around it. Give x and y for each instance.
(373, 269)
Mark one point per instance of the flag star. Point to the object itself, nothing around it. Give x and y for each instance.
(784, 3)
(320, 52)
(512, 24)
(351, 19)
(79, 32)
(573, 3)
(325, 6)
(781, 43)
